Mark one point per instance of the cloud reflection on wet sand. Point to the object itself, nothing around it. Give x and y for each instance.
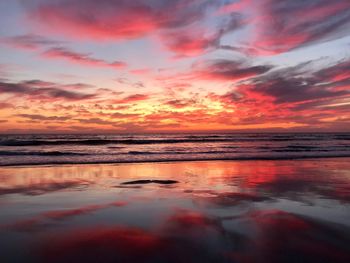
(253, 211)
(186, 236)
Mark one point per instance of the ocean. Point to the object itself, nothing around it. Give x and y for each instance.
(79, 149)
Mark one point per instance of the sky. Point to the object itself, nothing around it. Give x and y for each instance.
(120, 66)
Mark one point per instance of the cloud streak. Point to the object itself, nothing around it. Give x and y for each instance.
(80, 58)
(29, 41)
(281, 26)
(227, 70)
(35, 90)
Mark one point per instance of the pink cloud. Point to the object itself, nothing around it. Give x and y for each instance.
(132, 98)
(194, 41)
(141, 71)
(186, 44)
(284, 26)
(114, 19)
(238, 5)
(80, 58)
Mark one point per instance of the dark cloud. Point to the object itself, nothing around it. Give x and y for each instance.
(227, 70)
(80, 58)
(29, 41)
(299, 87)
(294, 84)
(292, 90)
(337, 72)
(96, 121)
(286, 25)
(304, 95)
(44, 118)
(37, 89)
(119, 115)
(181, 103)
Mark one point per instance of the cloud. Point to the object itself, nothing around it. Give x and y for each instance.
(37, 89)
(180, 103)
(56, 51)
(96, 121)
(114, 19)
(227, 70)
(132, 98)
(194, 41)
(289, 86)
(235, 6)
(296, 95)
(295, 90)
(119, 115)
(5, 105)
(339, 72)
(44, 118)
(80, 58)
(128, 82)
(182, 28)
(281, 26)
(176, 22)
(141, 71)
(189, 43)
(29, 41)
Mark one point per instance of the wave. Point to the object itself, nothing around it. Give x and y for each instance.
(50, 153)
(46, 149)
(97, 142)
(166, 153)
(170, 159)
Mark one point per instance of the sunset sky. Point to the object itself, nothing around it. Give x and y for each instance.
(82, 66)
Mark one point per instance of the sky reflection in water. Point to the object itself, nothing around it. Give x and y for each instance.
(219, 211)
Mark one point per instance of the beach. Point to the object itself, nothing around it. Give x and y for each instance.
(189, 211)
(174, 131)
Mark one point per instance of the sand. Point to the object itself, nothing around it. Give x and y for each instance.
(208, 211)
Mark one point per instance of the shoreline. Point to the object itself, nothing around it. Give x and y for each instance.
(172, 161)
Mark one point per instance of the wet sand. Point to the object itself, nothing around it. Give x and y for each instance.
(212, 211)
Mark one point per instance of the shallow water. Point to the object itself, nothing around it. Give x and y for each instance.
(217, 211)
